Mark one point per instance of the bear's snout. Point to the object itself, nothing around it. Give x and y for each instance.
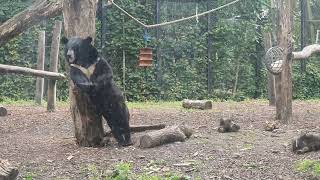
(70, 56)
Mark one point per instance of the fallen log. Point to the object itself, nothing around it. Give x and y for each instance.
(41, 10)
(141, 128)
(164, 136)
(29, 71)
(307, 52)
(7, 172)
(3, 111)
(197, 104)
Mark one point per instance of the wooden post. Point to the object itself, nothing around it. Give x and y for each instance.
(87, 122)
(40, 66)
(304, 34)
(285, 35)
(271, 81)
(158, 50)
(210, 49)
(54, 58)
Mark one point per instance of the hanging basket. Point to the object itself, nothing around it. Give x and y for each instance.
(145, 58)
(273, 60)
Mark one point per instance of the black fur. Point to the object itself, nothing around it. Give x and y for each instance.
(306, 143)
(100, 86)
(227, 125)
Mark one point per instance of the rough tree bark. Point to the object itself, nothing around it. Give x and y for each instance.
(285, 35)
(40, 10)
(79, 20)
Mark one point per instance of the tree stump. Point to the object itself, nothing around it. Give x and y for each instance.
(197, 104)
(3, 111)
(7, 172)
(164, 136)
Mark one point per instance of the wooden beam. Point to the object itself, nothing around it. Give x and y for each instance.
(29, 71)
(41, 10)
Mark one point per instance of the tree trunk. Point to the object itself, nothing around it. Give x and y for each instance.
(284, 99)
(54, 58)
(79, 20)
(234, 91)
(271, 83)
(40, 66)
(164, 136)
(41, 10)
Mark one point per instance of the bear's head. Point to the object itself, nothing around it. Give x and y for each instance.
(80, 51)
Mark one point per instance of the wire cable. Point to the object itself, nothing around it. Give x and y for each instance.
(174, 21)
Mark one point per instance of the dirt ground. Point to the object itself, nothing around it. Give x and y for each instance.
(42, 146)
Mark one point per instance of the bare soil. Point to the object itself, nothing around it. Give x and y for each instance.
(42, 146)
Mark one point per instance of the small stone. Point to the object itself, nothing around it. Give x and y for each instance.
(236, 155)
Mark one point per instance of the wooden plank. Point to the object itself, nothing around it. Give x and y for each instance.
(54, 58)
(40, 66)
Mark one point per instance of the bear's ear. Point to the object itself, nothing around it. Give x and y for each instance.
(64, 40)
(88, 40)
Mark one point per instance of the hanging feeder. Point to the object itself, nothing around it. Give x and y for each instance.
(145, 58)
(273, 60)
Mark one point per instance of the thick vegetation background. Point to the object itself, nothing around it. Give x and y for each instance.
(238, 48)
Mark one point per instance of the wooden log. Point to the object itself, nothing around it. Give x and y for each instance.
(164, 136)
(306, 52)
(40, 10)
(197, 104)
(54, 58)
(3, 111)
(40, 66)
(141, 128)
(7, 172)
(29, 71)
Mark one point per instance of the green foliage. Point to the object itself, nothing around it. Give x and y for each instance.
(181, 70)
(307, 165)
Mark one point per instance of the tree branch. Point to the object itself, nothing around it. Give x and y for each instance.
(307, 52)
(41, 10)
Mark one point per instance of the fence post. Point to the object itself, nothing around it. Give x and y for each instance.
(54, 58)
(40, 66)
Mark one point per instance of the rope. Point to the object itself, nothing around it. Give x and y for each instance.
(174, 21)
